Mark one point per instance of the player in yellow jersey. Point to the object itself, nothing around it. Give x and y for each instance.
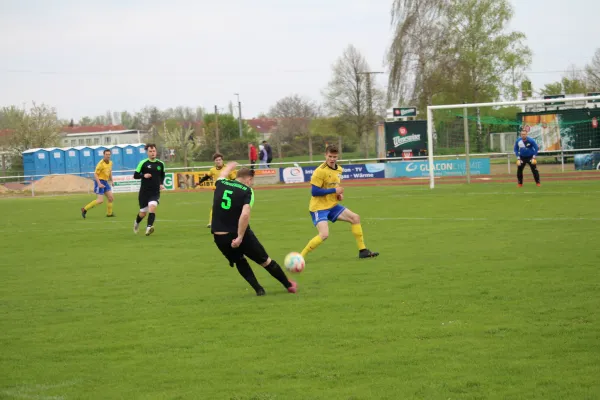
(324, 207)
(214, 174)
(102, 175)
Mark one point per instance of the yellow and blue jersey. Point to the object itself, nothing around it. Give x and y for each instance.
(325, 177)
(104, 170)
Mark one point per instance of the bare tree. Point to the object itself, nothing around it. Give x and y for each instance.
(295, 114)
(415, 58)
(592, 71)
(346, 94)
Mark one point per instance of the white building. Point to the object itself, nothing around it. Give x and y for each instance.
(106, 138)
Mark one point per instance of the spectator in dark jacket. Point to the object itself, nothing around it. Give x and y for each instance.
(269, 152)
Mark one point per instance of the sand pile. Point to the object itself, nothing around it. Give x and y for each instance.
(3, 189)
(63, 184)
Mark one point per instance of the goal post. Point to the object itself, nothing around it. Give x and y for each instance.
(548, 111)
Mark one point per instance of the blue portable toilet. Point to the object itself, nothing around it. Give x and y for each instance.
(72, 161)
(29, 163)
(117, 159)
(57, 160)
(130, 157)
(141, 153)
(98, 154)
(86, 161)
(41, 162)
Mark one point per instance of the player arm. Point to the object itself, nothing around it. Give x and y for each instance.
(516, 149)
(204, 178)
(317, 188)
(96, 173)
(227, 170)
(317, 191)
(243, 221)
(138, 171)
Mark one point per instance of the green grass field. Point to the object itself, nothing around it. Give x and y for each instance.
(480, 292)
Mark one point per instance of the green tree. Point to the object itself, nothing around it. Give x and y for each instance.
(454, 52)
(37, 127)
(179, 136)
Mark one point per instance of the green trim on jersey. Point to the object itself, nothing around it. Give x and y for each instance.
(251, 197)
(139, 167)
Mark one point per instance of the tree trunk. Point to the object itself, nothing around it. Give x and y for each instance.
(366, 140)
(310, 147)
(340, 146)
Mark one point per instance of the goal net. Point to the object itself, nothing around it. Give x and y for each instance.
(468, 142)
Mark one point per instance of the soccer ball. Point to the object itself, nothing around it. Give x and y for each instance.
(294, 262)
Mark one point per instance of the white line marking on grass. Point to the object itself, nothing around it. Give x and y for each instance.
(27, 392)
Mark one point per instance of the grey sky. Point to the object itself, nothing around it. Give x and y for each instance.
(87, 57)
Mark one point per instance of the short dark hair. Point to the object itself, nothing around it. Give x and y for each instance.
(245, 172)
(105, 150)
(217, 155)
(150, 146)
(332, 148)
(264, 141)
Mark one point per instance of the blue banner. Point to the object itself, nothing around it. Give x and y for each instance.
(351, 171)
(415, 169)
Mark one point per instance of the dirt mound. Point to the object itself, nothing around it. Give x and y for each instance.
(3, 189)
(63, 184)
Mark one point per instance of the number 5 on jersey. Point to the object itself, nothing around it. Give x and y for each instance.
(226, 203)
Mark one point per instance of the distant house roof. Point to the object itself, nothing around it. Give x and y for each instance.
(120, 132)
(91, 128)
(263, 125)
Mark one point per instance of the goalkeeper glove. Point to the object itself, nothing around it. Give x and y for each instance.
(519, 162)
(534, 161)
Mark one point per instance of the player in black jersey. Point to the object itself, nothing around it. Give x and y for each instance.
(152, 173)
(232, 202)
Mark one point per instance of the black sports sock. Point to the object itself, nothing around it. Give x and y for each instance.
(151, 217)
(138, 219)
(246, 272)
(277, 273)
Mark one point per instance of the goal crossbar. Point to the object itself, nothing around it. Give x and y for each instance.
(465, 106)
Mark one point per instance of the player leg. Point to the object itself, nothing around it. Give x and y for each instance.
(143, 203)
(520, 173)
(354, 219)
(109, 203)
(254, 250)
(235, 256)
(99, 200)
(209, 218)
(152, 205)
(320, 220)
(536, 174)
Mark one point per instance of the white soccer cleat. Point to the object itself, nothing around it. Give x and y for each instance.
(136, 227)
(149, 230)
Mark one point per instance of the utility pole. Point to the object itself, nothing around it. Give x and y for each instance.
(217, 129)
(240, 113)
(370, 119)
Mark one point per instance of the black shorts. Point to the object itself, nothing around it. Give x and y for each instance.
(250, 248)
(145, 198)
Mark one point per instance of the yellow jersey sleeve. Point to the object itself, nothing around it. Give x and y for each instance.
(232, 175)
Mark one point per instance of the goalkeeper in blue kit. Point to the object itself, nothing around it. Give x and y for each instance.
(526, 149)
